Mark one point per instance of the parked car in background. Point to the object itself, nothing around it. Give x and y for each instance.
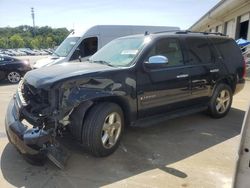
(40, 52)
(14, 52)
(28, 51)
(43, 52)
(82, 44)
(49, 51)
(13, 69)
(21, 52)
(136, 80)
(7, 52)
(37, 52)
(25, 52)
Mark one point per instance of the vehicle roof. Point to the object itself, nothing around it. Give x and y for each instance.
(97, 29)
(180, 33)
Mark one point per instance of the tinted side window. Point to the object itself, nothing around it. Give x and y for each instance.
(227, 49)
(198, 50)
(169, 48)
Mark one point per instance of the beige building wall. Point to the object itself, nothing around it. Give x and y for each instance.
(225, 23)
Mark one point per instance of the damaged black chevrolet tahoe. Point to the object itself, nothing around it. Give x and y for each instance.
(135, 80)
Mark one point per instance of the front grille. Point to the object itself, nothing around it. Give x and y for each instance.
(20, 93)
(29, 94)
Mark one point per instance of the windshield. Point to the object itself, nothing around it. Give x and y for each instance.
(66, 46)
(120, 52)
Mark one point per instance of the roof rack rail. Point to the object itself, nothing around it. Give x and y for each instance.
(205, 33)
(176, 30)
(188, 31)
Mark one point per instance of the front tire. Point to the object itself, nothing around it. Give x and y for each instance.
(221, 101)
(13, 77)
(102, 129)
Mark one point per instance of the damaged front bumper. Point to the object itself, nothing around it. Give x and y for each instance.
(20, 135)
(34, 143)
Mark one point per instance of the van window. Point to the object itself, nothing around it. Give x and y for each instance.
(66, 46)
(86, 48)
(198, 51)
(169, 48)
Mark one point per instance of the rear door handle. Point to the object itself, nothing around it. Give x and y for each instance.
(214, 70)
(182, 76)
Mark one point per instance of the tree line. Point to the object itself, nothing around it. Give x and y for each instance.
(28, 37)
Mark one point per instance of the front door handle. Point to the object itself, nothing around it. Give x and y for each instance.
(214, 70)
(182, 76)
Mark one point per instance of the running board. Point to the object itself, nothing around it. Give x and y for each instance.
(154, 120)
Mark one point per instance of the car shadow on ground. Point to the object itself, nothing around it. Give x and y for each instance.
(6, 83)
(141, 150)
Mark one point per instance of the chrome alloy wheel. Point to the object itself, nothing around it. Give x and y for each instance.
(14, 77)
(111, 130)
(222, 101)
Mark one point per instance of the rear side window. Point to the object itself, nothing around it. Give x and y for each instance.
(198, 50)
(227, 50)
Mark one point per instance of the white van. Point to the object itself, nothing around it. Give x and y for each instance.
(83, 44)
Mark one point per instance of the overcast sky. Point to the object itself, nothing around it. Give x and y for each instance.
(83, 13)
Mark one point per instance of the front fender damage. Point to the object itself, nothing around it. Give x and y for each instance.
(64, 106)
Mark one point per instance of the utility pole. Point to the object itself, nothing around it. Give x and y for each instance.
(33, 19)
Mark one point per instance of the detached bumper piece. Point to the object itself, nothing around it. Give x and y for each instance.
(35, 144)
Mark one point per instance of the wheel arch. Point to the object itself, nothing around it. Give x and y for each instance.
(230, 81)
(80, 112)
(122, 103)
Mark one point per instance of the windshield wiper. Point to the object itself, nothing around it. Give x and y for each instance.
(103, 63)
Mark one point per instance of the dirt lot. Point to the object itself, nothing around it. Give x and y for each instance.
(192, 151)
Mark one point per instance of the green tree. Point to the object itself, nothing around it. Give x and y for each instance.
(35, 43)
(16, 41)
(22, 36)
(50, 42)
(3, 43)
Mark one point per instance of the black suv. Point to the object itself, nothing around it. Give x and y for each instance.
(135, 80)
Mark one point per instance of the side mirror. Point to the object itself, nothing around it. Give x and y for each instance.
(156, 61)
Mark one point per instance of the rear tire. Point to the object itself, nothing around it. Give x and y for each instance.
(221, 101)
(102, 129)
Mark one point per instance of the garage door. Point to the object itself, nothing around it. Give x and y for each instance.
(230, 29)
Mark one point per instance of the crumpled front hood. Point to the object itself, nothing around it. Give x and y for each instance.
(46, 76)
